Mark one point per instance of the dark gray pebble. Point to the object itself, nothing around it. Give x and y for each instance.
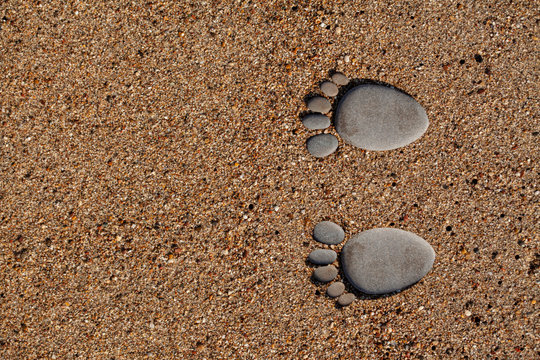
(340, 79)
(322, 256)
(319, 104)
(322, 145)
(335, 289)
(329, 88)
(316, 121)
(328, 233)
(325, 273)
(346, 299)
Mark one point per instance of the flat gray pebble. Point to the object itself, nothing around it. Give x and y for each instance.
(319, 104)
(346, 299)
(322, 256)
(329, 88)
(328, 233)
(340, 79)
(325, 273)
(384, 260)
(335, 289)
(377, 117)
(316, 121)
(322, 145)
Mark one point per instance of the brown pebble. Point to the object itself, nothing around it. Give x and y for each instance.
(329, 89)
(336, 289)
(325, 273)
(346, 299)
(340, 79)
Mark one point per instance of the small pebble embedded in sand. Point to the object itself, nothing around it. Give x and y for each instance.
(340, 79)
(346, 299)
(336, 289)
(322, 145)
(319, 104)
(328, 233)
(322, 256)
(329, 89)
(325, 273)
(316, 121)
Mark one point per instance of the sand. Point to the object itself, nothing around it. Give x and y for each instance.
(157, 199)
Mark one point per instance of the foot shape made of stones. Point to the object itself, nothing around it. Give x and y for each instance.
(375, 262)
(370, 116)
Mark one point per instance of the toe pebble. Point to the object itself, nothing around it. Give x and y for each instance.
(322, 256)
(325, 273)
(346, 299)
(329, 89)
(322, 145)
(340, 79)
(316, 121)
(336, 289)
(319, 104)
(328, 233)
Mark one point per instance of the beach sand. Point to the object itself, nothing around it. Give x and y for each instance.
(157, 200)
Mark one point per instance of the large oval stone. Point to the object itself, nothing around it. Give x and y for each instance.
(384, 260)
(378, 117)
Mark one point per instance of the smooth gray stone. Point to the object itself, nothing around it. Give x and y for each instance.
(380, 261)
(322, 145)
(329, 88)
(340, 79)
(316, 121)
(319, 104)
(322, 256)
(335, 289)
(346, 299)
(325, 273)
(328, 233)
(377, 117)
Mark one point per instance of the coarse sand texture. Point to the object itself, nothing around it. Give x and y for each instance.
(226, 179)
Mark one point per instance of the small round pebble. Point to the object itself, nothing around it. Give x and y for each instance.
(325, 273)
(328, 233)
(340, 79)
(322, 256)
(346, 299)
(335, 289)
(316, 121)
(329, 88)
(322, 145)
(319, 104)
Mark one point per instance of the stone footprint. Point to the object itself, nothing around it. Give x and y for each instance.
(375, 262)
(370, 115)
